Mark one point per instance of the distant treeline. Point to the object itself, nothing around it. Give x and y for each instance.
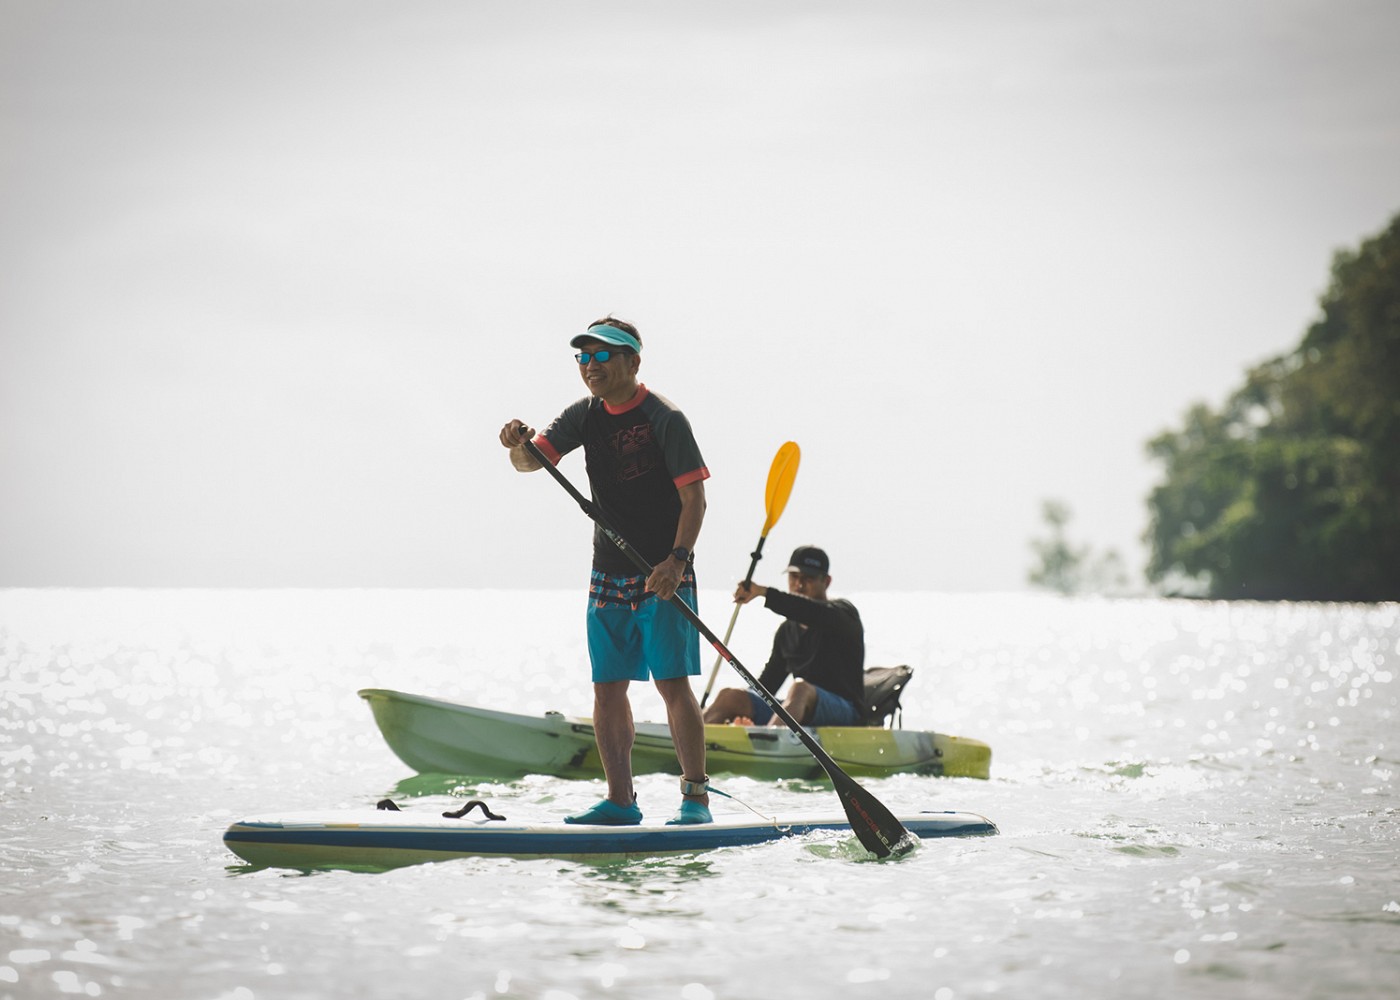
(1291, 490)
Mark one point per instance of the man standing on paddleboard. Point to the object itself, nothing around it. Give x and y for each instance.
(647, 476)
(821, 646)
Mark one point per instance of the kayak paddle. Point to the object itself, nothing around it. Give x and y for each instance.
(780, 476)
(878, 829)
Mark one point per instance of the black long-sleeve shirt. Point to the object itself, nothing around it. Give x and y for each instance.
(829, 652)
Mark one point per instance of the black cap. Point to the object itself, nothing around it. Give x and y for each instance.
(810, 560)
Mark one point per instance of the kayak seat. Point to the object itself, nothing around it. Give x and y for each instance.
(883, 686)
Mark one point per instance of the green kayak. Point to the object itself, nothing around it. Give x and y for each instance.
(444, 737)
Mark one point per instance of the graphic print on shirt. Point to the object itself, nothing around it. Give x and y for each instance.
(632, 448)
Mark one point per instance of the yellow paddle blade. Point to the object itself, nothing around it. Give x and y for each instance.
(780, 477)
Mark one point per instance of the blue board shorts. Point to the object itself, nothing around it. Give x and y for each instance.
(633, 635)
(831, 710)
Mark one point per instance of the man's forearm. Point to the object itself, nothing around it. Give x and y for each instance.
(692, 515)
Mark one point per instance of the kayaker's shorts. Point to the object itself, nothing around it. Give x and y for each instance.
(831, 710)
(633, 636)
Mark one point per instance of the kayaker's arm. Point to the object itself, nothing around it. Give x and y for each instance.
(824, 614)
(747, 591)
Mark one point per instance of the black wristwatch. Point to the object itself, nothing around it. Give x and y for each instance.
(682, 553)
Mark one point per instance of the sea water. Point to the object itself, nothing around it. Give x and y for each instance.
(1195, 800)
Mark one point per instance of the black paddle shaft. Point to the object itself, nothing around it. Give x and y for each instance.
(875, 826)
(756, 555)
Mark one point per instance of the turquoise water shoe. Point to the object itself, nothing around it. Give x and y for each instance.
(608, 813)
(691, 812)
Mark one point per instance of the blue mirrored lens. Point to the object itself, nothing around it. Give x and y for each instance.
(586, 356)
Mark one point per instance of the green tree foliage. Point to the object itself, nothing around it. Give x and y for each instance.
(1291, 491)
(1072, 569)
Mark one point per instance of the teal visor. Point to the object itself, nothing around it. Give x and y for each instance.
(608, 335)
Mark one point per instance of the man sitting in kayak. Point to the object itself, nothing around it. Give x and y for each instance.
(821, 646)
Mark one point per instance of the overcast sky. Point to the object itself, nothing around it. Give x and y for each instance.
(272, 275)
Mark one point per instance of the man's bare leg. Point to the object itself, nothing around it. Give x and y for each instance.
(687, 729)
(614, 732)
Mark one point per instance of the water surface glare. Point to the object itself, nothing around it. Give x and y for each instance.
(1196, 800)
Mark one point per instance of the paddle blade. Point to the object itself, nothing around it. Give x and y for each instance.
(780, 476)
(877, 829)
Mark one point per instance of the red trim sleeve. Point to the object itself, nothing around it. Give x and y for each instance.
(542, 443)
(698, 475)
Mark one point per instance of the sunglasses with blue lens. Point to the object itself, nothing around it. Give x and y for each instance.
(583, 357)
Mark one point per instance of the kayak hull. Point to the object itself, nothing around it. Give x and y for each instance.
(367, 839)
(435, 736)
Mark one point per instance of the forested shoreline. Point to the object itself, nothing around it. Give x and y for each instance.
(1291, 489)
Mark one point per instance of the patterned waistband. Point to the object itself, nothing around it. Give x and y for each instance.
(610, 590)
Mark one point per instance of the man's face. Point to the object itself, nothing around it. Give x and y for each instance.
(605, 378)
(809, 585)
